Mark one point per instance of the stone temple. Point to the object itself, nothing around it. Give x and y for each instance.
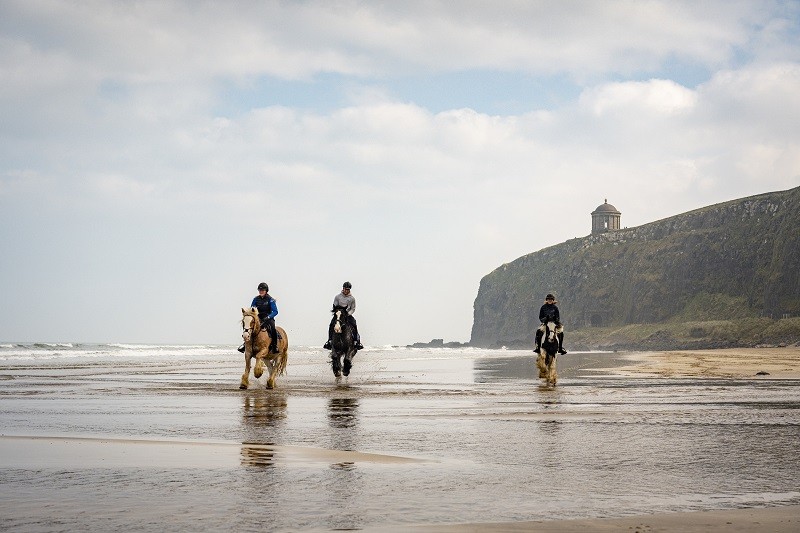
(605, 218)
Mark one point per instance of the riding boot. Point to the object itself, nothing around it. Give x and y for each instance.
(241, 348)
(273, 349)
(329, 342)
(356, 335)
(539, 334)
(561, 349)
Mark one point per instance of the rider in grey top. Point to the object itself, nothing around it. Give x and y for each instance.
(345, 299)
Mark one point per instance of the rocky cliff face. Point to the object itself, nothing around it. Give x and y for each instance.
(731, 260)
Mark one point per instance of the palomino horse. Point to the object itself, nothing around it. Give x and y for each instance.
(546, 359)
(257, 345)
(343, 345)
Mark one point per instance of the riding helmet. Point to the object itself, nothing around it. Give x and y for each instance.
(263, 287)
(347, 285)
(549, 297)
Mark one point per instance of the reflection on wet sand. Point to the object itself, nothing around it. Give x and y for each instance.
(345, 482)
(497, 369)
(262, 412)
(259, 455)
(343, 412)
(343, 416)
(264, 408)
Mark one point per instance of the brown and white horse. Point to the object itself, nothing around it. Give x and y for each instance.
(546, 359)
(256, 344)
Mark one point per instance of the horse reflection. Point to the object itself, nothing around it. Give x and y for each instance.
(345, 479)
(343, 412)
(552, 443)
(260, 455)
(262, 409)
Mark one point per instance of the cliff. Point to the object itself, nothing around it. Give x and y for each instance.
(731, 261)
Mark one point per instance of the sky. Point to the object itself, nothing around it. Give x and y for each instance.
(160, 159)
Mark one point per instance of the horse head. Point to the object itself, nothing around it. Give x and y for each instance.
(340, 317)
(250, 322)
(550, 329)
(550, 338)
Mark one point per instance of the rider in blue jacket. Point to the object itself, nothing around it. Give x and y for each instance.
(267, 311)
(549, 313)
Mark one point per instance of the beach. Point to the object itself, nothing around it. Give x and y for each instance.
(725, 363)
(160, 438)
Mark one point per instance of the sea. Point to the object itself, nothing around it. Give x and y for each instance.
(412, 436)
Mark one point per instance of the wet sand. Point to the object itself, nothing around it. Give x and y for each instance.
(89, 452)
(762, 520)
(775, 363)
(68, 452)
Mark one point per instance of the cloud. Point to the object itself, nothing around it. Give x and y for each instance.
(141, 147)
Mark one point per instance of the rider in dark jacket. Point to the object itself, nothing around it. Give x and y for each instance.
(549, 313)
(267, 311)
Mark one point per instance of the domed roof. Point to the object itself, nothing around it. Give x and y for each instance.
(606, 208)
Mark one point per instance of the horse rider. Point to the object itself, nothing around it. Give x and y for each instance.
(347, 300)
(549, 313)
(267, 311)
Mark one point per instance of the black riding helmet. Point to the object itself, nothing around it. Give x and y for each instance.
(263, 287)
(347, 285)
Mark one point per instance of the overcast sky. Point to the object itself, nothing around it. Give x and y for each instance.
(159, 159)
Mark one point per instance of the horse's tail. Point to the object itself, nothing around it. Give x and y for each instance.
(283, 356)
(280, 363)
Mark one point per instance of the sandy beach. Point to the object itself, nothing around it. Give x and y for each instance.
(764, 520)
(429, 441)
(775, 363)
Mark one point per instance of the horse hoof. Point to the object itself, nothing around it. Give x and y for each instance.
(242, 387)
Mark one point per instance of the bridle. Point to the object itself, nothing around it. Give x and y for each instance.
(247, 330)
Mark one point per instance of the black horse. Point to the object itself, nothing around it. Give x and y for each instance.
(546, 358)
(343, 345)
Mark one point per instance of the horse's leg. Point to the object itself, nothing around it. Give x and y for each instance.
(259, 368)
(348, 363)
(336, 364)
(551, 370)
(541, 364)
(553, 374)
(246, 375)
(271, 367)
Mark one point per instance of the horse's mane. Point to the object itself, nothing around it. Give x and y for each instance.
(337, 308)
